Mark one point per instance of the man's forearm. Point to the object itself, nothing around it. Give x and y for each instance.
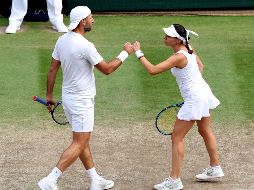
(50, 84)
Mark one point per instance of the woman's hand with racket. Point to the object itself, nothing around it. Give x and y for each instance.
(165, 119)
(55, 108)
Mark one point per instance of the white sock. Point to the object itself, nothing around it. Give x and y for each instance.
(92, 174)
(174, 180)
(55, 174)
(216, 167)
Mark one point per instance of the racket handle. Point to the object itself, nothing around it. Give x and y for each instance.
(38, 99)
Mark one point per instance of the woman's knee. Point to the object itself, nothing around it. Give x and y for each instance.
(176, 137)
(202, 131)
(205, 133)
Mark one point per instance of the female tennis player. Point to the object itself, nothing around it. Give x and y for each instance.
(199, 100)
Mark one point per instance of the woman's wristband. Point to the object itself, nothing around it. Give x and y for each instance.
(139, 54)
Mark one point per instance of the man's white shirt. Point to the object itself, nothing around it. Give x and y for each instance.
(78, 57)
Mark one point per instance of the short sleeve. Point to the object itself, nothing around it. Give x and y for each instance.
(55, 54)
(92, 55)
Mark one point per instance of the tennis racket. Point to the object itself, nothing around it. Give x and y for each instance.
(57, 112)
(166, 118)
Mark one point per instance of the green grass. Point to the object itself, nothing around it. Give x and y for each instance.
(130, 95)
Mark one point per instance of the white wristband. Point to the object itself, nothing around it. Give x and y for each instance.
(139, 54)
(122, 56)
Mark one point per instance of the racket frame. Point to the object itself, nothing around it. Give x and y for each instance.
(53, 117)
(44, 102)
(159, 114)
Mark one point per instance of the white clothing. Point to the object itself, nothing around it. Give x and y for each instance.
(79, 112)
(19, 10)
(78, 57)
(197, 95)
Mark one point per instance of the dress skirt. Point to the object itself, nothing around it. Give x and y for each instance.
(197, 107)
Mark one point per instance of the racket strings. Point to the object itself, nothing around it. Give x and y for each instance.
(167, 119)
(59, 115)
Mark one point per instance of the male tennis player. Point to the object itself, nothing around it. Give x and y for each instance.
(78, 57)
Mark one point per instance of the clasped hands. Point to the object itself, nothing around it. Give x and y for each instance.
(130, 48)
(135, 47)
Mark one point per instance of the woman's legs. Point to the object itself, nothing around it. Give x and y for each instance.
(214, 171)
(181, 128)
(205, 131)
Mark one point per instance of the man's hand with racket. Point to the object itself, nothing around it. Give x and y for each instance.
(55, 108)
(51, 103)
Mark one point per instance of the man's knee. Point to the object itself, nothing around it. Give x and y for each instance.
(81, 140)
(80, 145)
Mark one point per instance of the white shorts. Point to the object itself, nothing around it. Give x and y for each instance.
(79, 112)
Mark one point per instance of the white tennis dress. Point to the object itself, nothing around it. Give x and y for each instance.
(197, 95)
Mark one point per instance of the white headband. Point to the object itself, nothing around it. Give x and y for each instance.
(171, 31)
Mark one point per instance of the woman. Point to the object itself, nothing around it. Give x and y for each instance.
(198, 98)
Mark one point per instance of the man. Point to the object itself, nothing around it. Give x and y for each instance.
(77, 57)
(19, 10)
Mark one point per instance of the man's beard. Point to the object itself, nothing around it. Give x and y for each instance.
(88, 29)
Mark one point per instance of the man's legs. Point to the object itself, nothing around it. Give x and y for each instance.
(78, 149)
(79, 145)
(97, 182)
(18, 12)
(86, 158)
(55, 15)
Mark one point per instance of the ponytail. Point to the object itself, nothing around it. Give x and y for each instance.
(187, 45)
(184, 36)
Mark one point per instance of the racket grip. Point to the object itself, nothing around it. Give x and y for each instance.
(38, 99)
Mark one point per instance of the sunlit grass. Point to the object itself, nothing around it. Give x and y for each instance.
(130, 95)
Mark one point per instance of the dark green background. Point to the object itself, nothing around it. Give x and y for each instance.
(141, 5)
(134, 5)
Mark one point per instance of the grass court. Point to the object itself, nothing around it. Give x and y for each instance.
(127, 102)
